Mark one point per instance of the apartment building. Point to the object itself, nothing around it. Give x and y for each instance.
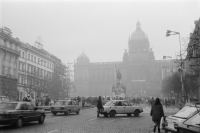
(9, 55)
(35, 71)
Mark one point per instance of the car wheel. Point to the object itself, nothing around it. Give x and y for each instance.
(19, 123)
(136, 113)
(41, 120)
(105, 115)
(78, 111)
(54, 113)
(129, 114)
(112, 113)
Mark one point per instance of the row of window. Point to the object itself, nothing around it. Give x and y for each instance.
(9, 57)
(36, 60)
(32, 81)
(7, 85)
(9, 71)
(35, 71)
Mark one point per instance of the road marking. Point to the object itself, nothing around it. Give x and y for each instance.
(52, 131)
(92, 119)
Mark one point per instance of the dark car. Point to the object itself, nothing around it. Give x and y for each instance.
(18, 113)
(191, 125)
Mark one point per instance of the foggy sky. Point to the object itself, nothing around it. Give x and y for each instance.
(100, 28)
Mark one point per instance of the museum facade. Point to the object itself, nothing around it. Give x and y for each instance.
(141, 73)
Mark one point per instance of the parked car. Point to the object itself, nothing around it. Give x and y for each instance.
(114, 107)
(191, 125)
(173, 121)
(65, 106)
(18, 113)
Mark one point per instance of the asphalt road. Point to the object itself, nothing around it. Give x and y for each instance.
(87, 122)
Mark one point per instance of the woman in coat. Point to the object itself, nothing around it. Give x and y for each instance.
(99, 105)
(157, 113)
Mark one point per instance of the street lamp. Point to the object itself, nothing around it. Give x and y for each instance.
(169, 33)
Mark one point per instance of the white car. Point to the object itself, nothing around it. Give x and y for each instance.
(114, 107)
(171, 122)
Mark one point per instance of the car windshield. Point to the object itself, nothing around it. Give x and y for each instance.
(62, 103)
(108, 103)
(8, 106)
(194, 120)
(186, 112)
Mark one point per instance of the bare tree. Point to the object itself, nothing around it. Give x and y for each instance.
(193, 51)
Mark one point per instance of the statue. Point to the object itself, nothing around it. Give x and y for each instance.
(118, 76)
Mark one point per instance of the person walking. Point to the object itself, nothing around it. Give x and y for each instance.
(133, 101)
(157, 113)
(99, 106)
(152, 101)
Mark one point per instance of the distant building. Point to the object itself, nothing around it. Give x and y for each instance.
(141, 73)
(9, 55)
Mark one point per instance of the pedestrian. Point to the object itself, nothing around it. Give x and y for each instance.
(99, 106)
(133, 101)
(28, 99)
(166, 103)
(157, 113)
(83, 102)
(152, 101)
(78, 100)
(47, 100)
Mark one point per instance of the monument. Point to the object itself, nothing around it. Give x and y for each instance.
(118, 90)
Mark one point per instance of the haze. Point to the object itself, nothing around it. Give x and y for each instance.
(99, 28)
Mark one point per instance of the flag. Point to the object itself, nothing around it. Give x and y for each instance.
(165, 57)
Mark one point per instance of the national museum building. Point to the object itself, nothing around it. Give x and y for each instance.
(141, 73)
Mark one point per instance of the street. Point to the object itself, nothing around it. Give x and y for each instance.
(87, 122)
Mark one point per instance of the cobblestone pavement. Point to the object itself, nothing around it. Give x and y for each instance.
(87, 122)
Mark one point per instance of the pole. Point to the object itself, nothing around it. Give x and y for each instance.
(182, 86)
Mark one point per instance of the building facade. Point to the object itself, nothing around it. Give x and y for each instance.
(9, 55)
(35, 71)
(28, 70)
(141, 73)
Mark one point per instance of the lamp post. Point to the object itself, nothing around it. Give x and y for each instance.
(169, 33)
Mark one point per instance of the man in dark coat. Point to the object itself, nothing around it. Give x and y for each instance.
(157, 113)
(99, 106)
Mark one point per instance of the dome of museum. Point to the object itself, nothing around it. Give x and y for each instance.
(138, 34)
(83, 58)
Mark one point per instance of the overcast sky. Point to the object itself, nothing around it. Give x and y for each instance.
(100, 28)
